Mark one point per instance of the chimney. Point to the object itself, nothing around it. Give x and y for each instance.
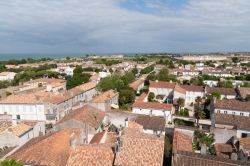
(73, 140)
(126, 122)
(203, 149)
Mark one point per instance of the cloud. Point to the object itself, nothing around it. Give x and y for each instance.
(107, 26)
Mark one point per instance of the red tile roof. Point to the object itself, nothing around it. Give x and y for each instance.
(223, 91)
(153, 105)
(136, 84)
(232, 104)
(105, 96)
(162, 84)
(182, 142)
(91, 155)
(138, 148)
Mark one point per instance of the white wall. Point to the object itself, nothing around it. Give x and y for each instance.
(26, 111)
(232, 112)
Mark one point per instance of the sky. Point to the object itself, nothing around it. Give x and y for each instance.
(124, 26)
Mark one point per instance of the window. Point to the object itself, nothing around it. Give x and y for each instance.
(17, 116)
(225, 112)
(218, 111)
(241, 114)
(233, 113)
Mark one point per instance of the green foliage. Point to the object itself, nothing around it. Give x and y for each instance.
(126, 97)
(197, 81)
(151, 97)
(183, 122)
(225, 84)
(93, 69)
(247, 98)
(183, 112)
(148, 69)
(2, 67)
(112, 82)
(128, 78)
(235, 59)
(199, 114)
(4, 84)
(201, 138)
(217, 95)
(180, 101)
(10, 163)
(78, 78)
(107, 62)
(135, 71)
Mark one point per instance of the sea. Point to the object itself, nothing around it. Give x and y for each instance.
(7, 56)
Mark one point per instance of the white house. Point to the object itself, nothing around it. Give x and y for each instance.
(162, 90)
(211, 83)
(17, 133)
(104, 74)
(232, 114)
(6, 76)
(226, 93)
(69, 71)
(154, 109)
(109, 97)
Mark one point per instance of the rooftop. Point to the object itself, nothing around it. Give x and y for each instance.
(232, 104)
(153, 105)
(105, 96)
(159, 84)
(223, 91)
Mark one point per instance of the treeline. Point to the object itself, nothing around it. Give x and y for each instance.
(24, 61)
(148, 69)
(107, 62)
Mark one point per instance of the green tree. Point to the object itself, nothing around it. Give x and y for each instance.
(9, 163)
(126, 98)
(151, 97)
(235, 59)
(217, 95)
(135, 71)
(201, 138)
(128, 78)
(198, 100)
(180, 101)
(199, 114)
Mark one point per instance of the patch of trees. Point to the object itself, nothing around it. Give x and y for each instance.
(24, 61)
(120, 84)
(202, 139)
(148, 69)
(10, 163)
(163, 75)
(78, 78)
(91, 69)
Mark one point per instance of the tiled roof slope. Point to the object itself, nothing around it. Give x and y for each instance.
(223, 91)
(51, 150)
(151, 122)
(241, 122)
(160, 84)
(105, 96)
(182, 142)
(87, 114)
(140, 149)
(153, 105)
(232, 104)
(91, 155)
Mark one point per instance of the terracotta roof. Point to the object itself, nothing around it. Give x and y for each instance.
(52, 150)
(35, 98)
(193, 88)
(19, 129)
(162, 84)
(182, 142)
(5, 73)
(240, 122)
(244, 92)
(92, 155)
(223, 91)
(82, 88)
(5, 125)
(142, 97)
(134, 125)
(87, 114)
(153, 105)
(184, 158)
(97, 137)
(180, 89)
(245, 143)
(136, 84)
(223, 150)
(138, 148)
(232, 104)
(105, 96)
(46, 80)
(151, 122)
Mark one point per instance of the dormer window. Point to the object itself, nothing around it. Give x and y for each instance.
(241, 114)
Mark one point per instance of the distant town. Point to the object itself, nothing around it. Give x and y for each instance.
(139, 110)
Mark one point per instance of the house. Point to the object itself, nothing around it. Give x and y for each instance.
(183, 155)
(88, 118)
(7, 76)
(243, 92)
(153, 109)
(211, 83)
(51, 149)
(85, 92)
(107, 99)
(189, 93)
(162, 90)
(244, 146)
(95, 78)
(226, 93)
(45, 106)
(69, 71)
(137, 85)
(150, 124)
(137, 148)
(14, 134)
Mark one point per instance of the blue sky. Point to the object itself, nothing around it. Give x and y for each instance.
(110, 26)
